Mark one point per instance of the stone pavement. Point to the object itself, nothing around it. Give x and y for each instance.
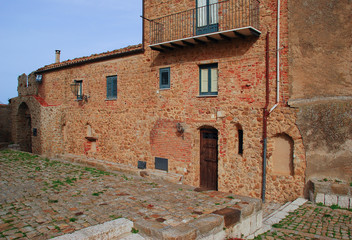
(42, 198)
(309, 221)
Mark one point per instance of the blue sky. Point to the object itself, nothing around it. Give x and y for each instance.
(31, 31)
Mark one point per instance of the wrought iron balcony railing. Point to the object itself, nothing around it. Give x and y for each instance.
(215, 17)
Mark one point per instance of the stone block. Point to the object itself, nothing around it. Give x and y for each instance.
(330, 199)
(180, 232)
(253, 220)
(208, 224)
(259, 217)
(320, 198)
(109, 230)
(350, 203)
(132, 237)
(245, 228)
(343, 201)
(231, 216)
(322, 187)
(150, 229)
(339, 189)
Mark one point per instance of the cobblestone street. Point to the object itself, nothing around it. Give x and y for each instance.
(42, 198)
(313, 222)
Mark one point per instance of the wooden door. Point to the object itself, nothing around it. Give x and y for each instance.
(209, 159)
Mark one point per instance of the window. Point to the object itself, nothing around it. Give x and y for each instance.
(111, 87)
(208, 79)
(79, 91)
(240, 141)
(207, 16)
(164, 78)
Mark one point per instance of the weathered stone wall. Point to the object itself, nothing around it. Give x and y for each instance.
(141, 123)
(5, 123)
(320, 41)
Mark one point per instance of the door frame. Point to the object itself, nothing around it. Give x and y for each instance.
(203, 163)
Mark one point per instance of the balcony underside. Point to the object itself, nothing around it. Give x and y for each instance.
(243, 33)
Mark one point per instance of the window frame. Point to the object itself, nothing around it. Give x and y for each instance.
(112, 94)
(168, 71)
(79, 96)
(209, 80)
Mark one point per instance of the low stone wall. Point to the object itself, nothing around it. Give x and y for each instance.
(330, 193)
(241, 220)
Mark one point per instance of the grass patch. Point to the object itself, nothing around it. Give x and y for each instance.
(53, 201)
(73, 219)
(133, 230)
(8, 221)
(97, 193)
(230, 197)
(277, 225)
(70, 181)
(113, 217)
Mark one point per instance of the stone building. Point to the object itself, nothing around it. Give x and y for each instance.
(5, 125)
(215, 91)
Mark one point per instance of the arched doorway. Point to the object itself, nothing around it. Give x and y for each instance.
(24, 128)
(209, 158)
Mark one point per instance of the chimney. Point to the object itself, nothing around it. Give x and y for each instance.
(57, 56)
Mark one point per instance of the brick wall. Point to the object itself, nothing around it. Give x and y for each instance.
(5, 123)
(141, 123)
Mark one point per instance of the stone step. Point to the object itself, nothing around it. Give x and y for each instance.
(116, 229)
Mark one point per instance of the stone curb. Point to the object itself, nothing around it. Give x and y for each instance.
(116, 229)
(231, 222)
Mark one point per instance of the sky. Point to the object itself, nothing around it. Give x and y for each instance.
(31, 31)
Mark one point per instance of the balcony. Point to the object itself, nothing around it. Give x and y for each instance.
(211, 22)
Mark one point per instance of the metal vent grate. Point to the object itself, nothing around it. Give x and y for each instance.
(142, 165)
(161, 163)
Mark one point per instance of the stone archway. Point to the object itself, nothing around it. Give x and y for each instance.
(24, 128)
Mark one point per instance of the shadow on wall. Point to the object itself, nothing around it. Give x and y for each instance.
(24, 128)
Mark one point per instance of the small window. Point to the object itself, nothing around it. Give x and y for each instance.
(164, 78)
(208, 79)
(111, 87)
(240, 141)
(79, 84)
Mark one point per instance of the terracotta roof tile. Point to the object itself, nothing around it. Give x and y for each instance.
(93, 57)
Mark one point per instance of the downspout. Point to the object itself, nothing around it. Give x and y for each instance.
(265, 114)
(277, 58)
(143, 25)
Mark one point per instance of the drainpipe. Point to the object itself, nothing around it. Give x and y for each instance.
(265, 111)
(265, 114)
(143, 25)
(277, 58)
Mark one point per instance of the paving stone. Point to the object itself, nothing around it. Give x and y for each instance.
(99, 197)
